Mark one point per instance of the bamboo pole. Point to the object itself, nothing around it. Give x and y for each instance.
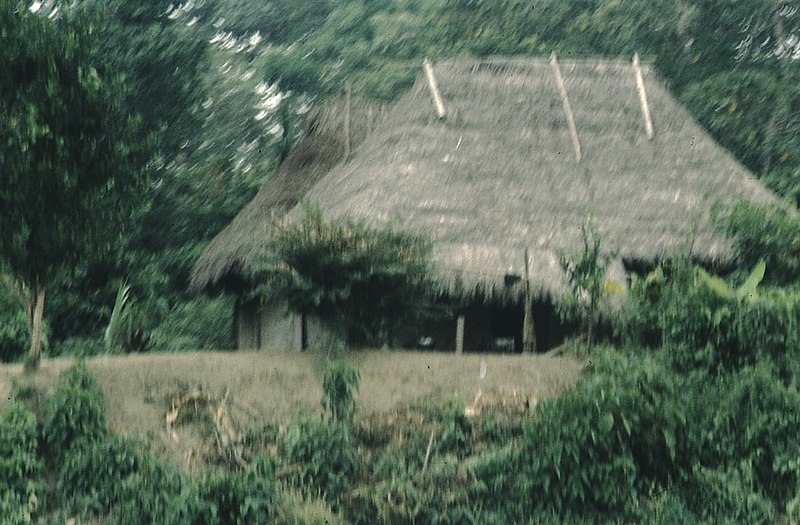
(648, 123)
(347, 122)
(562, 90)
(528, 334)
(428, 452)
(437, 97)
(460, 334)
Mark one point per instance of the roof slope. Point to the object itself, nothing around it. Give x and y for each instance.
(499, 173)
(232, 256)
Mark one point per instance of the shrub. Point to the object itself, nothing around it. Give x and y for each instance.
(92, 474)
(591, 452)
(585, 271)
(754, 422)
(160, 494)
(765, 233)
(20, 466)
(74, 412)
(241, 497)
(338, 384)
(322, 454)
(727, 496)
(13, 329)
(707, 325)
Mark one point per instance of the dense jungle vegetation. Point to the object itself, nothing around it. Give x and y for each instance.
(133, 132)
(213, 89)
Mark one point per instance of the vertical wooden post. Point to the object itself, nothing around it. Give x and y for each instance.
(562, 90)
(346, 122)
(460, 334)
(437, 98)
(528, 333)
(648, 123)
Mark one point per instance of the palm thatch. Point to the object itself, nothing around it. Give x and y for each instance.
(499, 173)
(231, 258)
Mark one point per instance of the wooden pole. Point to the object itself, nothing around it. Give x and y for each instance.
(528, 334)
(648, 123)
(562, 90)
(347, 122)
(437, 98)
(428, 452)
(460, 334)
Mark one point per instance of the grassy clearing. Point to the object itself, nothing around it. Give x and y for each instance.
(137, 389)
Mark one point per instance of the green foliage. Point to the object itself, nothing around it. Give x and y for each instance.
(585, 272)
(752, 427)
(92, 474)
(350, 276)
(242, 497)
(590, 452)
(159, 493)
(13, 328)
(338, 384)
(61, 116)
(20, 465)
(771, 234)
(708, 324)
(322, 456)
(74, 413)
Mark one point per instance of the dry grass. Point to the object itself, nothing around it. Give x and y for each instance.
(264, 387)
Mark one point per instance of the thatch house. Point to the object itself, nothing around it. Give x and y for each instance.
(490, 158)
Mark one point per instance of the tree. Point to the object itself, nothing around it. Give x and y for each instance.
(353, 278)
(70, 168)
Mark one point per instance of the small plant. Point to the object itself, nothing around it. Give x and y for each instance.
(320, 455)
(20, 466)
(585, 271)
(338, 384)
(242, 497)
(74, 412)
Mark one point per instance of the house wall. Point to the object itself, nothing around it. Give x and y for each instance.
(281, 329)
(247, 325)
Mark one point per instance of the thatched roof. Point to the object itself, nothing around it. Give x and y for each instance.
(499, 173)
(232, 257)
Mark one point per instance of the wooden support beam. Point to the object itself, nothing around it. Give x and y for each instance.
(437, 98)
(346, 122)
(460, 334)
(562, 90)
(528, 333)
(648, 123)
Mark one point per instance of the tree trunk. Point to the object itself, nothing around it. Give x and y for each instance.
(31, 299)
(35, 313)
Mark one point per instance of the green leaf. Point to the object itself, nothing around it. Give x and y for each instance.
(716, 284)
(606, 423)
(748, 289)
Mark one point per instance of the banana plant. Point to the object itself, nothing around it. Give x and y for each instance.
(118, 315)
(748, 290)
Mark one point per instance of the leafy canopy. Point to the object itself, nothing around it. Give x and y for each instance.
(70, 171)
(348, 275)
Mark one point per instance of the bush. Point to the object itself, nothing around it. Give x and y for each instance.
(766, 233)
(14, 340)
(754, 422)
(80, 347)
(160, 494)
(338, 384)
(322, 454)
(20, 466)
(593, 451)
(92, 474)
(704, 328)
(74, 413)
(242, 497)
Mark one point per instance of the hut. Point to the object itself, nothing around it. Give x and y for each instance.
(495, 158)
